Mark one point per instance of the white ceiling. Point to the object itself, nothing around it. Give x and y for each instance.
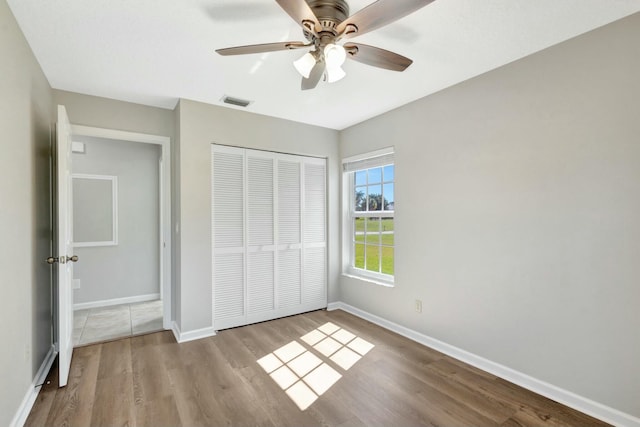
(155, 51)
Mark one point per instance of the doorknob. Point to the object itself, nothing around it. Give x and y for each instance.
(62, 260)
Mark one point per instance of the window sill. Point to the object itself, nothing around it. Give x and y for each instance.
(375, 281)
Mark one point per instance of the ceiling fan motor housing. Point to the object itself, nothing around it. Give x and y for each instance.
(324, 24)
(330, 13)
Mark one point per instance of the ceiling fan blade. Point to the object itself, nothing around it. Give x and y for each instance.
(377, 57)
(379, 14)
(314, 76)
(260, 48)
(300, 11)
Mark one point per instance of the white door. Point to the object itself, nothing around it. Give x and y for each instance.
(260, 258)
(269, 235)
(65, 257)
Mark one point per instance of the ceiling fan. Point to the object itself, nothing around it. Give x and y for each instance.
(326, 22)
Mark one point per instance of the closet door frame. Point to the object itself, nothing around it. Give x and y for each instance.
(304, 304)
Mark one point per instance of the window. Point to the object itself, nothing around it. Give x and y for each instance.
(369, 183)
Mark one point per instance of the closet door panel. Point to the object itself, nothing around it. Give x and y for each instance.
(228, 200)
(314, 288)
(260, 283)
(289, 270)
(228, 251)
(260, 212)
(315, 203)
(315, 276)
(269, 235)
(289, 202)
(260, 238)
(290, 280)
(228, 272)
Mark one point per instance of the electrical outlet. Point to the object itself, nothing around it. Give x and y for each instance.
(418, 306)
(76, 283)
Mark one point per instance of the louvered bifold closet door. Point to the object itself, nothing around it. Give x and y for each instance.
(269, 235)
(315, 233)
(260, 235)
(289, 233)
(228, 213)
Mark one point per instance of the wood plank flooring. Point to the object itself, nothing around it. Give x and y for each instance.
(151, 380)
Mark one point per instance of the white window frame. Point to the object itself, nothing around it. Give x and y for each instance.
(378, 158)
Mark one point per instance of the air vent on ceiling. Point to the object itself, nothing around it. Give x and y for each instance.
(235, 101)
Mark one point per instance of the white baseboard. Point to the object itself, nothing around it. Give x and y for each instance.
(570, 399)
(191, 335)
(32, 393)
(116, 301)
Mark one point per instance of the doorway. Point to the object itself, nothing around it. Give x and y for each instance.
(121, 192)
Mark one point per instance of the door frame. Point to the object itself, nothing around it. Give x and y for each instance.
(165, 202)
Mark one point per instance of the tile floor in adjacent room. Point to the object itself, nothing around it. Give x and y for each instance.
(107, 323)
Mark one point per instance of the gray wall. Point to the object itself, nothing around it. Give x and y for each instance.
(200, 126)
(132, 267)
(521, 243)
(106, 113)
(518, 198)
(111, 114)
(25, 279)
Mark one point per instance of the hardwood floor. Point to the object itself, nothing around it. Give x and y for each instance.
(151, 380)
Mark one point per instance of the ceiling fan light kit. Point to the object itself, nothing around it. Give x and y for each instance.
(334, 55)
(305, 64)
(334, 74)
(326, 22)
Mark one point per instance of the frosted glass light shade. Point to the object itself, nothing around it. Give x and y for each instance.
(334, 55)
(335, 73)
(305, 64)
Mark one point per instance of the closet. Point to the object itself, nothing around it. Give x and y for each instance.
(269, 249)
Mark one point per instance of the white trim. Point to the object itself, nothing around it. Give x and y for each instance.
(196, 334)
(114, 209)
(32, 392)
(363, 275)
(77, 147)
(94, 244)
(568, 398)
(162, 245)
(165, 196)
(119, 135)
(116, 301)
(368, 155)
(176, 330)
(349, 214)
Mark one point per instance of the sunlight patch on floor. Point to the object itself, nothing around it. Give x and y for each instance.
(304, 375)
